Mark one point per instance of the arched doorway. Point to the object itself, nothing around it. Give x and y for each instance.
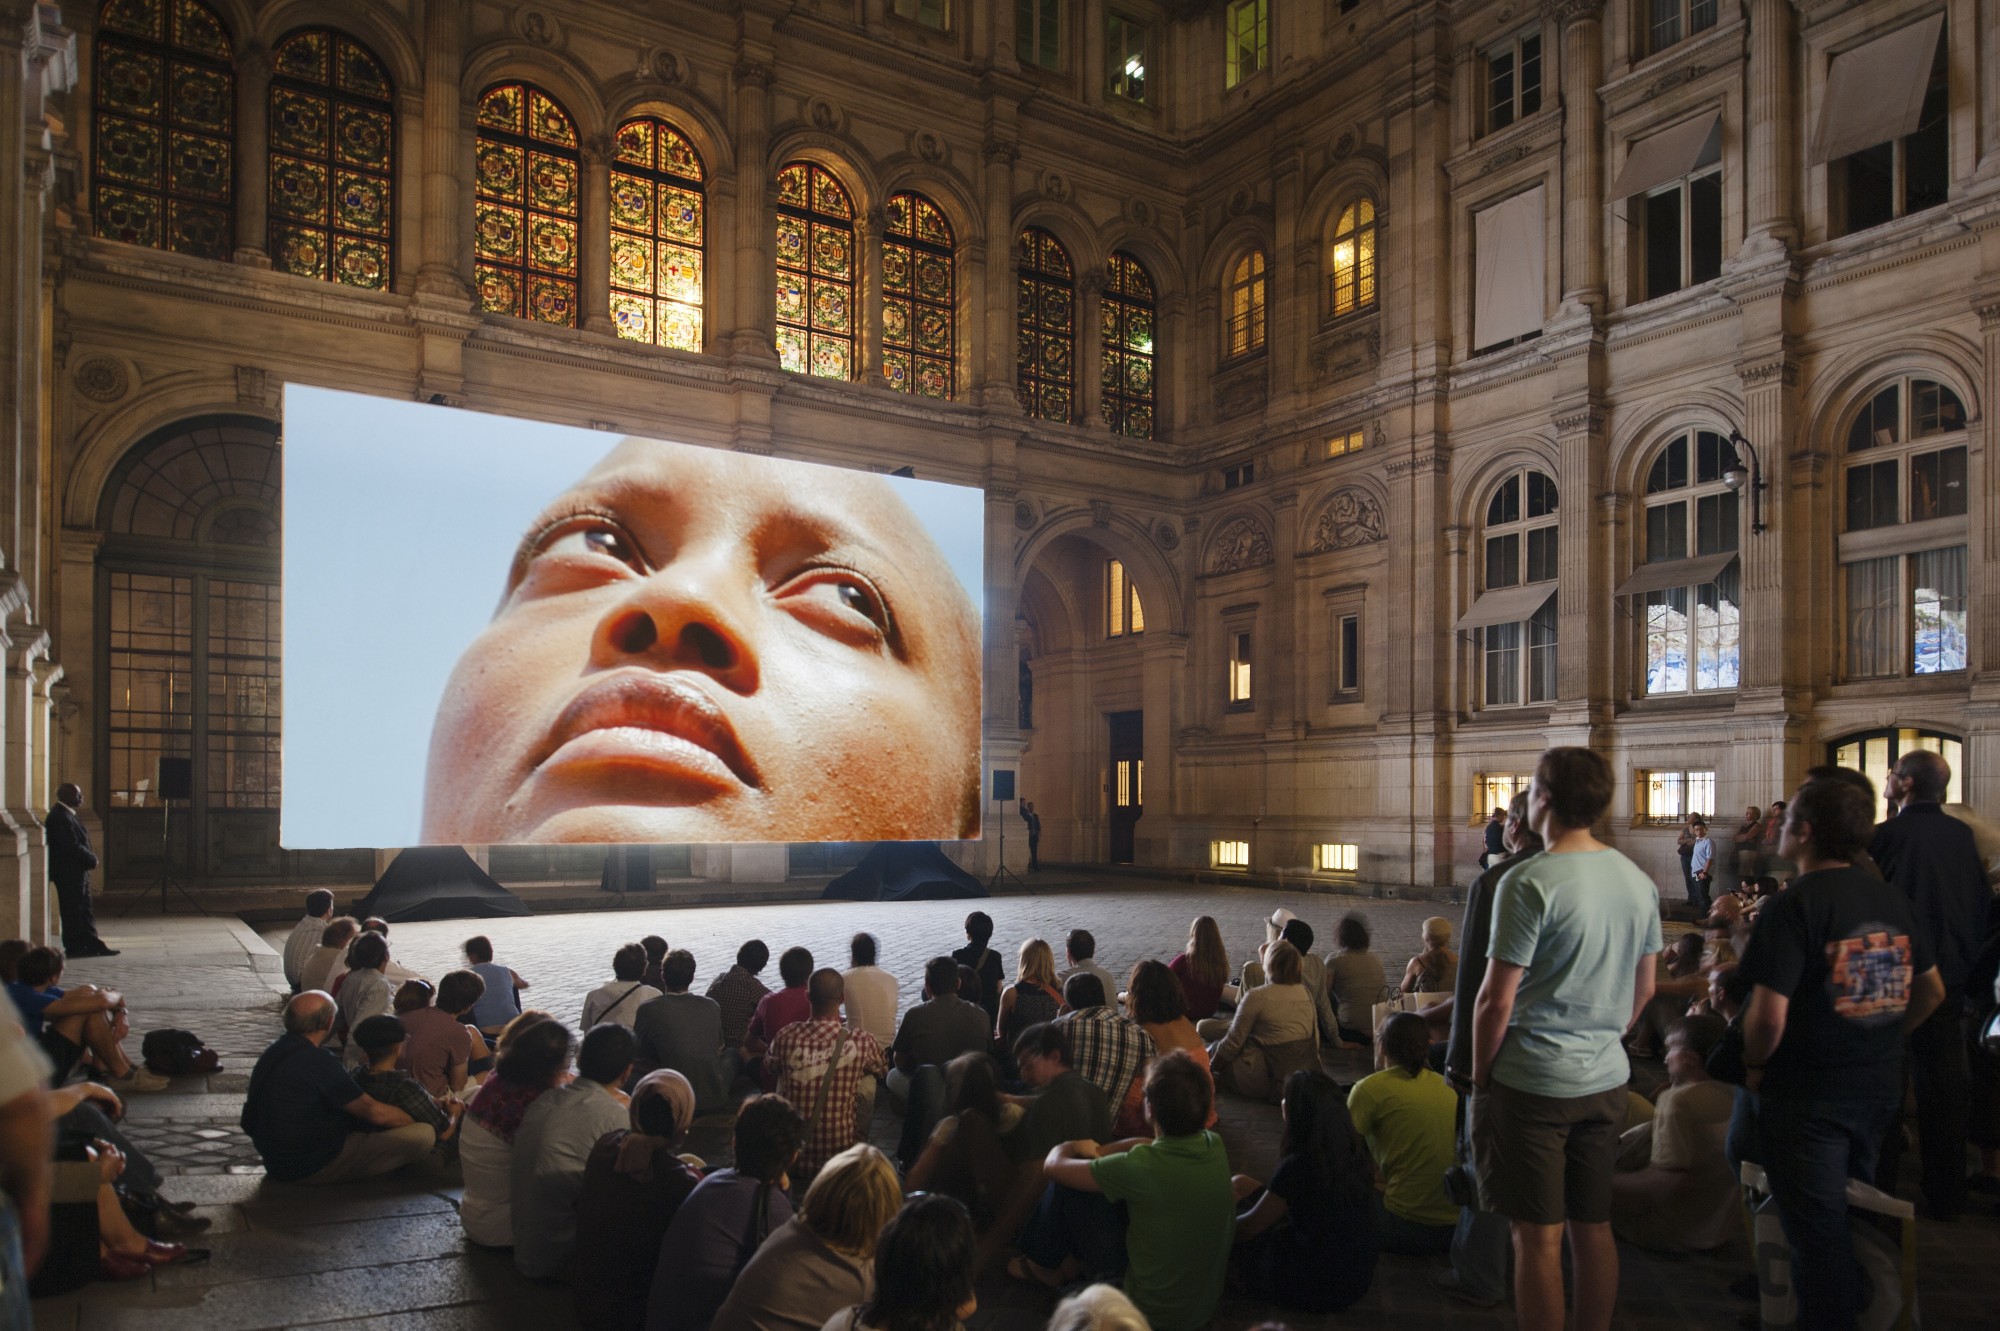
(1874, 753)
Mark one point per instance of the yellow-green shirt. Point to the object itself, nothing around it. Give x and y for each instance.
(1409, 1123)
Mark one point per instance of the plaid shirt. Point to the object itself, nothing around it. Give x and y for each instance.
(399, 1090)
(737, 992)
(1107, 1049)
(801, 1053)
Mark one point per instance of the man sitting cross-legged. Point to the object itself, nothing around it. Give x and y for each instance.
(683, 1031)
(820, 1066)
(309, 1120)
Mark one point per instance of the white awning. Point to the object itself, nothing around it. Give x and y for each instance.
(1875, 93)
(1675, 573)
(1670, 154)
(1510, 264)
(1506, 605)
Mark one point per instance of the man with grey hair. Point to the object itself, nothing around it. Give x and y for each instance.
(309, 1120)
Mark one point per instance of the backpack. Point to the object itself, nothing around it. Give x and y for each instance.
(177, 1053)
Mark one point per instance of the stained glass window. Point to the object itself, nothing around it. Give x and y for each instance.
(1246, 304)
(1047, 326)
(1352, 283)
(165, 122)
(815, 273)
(524, 235)
(1128, 318)
(918, 349)
(332, 182)
(659, 218)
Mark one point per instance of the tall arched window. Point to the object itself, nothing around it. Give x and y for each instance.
(1903, 547)
(658, 220)
(1519, 548)
(1874, 755)
(1245, 303)
(526, 225)
(165, 127)
(815, 272)
(1351, 260)
(918, 308)
(1691, 581)
(332, 124)
(1047, 322)
(1129, 320)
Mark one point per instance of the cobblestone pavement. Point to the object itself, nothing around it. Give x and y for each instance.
(391, 1254)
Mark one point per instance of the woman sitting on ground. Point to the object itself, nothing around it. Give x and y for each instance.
(1202, 968)
(1153, 998)
(1031, 1000)
(1307, 1238)
(923, 1272)
(977, 1174)
(1435, 969)
(1409, 1116)
(365, 990)
(823, 1259)
(633, 1184)
(1355, 977)
(724, 1221)
(534, 1056)
(123, 1253)
(1274, 1033)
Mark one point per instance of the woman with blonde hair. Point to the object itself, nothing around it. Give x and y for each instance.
(1033, 997)
(1435, 969)
(1202, 968)
(1274, 1033)
(1098, 1308)
(822, 1260)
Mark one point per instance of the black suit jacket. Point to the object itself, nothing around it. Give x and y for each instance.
(70, 855)
(1931, 857)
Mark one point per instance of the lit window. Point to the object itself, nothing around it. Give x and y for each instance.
(526, 212)
(1669, 797)
(1513, 80)
(930, 13)
(1246, 304)
(1129, 321)
(1342, 444)
(1230, 854)
(1495, 790)
(1046, 318)
(1901, 176)
(1125, 614)
(1694, 633)
(1130, 781)
(1038, 32)
(815, 263)
(1351, 283)
(1520, 549)
(1347, 654)
(1874, 755)
(1125, 51)
(1671, 20)
(918, 306)
(1335, 857)
(332, 180)
(1239, 667)
(658, 221)
(1247, 33)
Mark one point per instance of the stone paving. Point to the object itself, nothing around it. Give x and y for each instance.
(391, 1254)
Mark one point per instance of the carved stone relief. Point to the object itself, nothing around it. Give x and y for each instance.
(1352, 518)
(1242, 543)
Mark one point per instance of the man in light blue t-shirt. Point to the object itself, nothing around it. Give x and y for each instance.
(1570, 964)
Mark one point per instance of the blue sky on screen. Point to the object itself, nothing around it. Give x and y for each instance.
(400, 520)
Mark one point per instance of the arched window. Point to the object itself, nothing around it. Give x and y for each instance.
(815, 273)
(1047, 322)
(659, 218)
(1903, 549)
(165, 127)
(1874, 755)
(525, 228)
(918, 307)
(1351, 260)
(1245, 303)
(332, 171)
(1691, 581)
(1129, 321)
(1519, 547)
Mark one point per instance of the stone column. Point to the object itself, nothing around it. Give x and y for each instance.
(594, 263)
(1583, 150)
(253, 156)
(1163, 680)
(1299, 314)
(997, 359)
(868, 232)
(1777, 610)
(446, 157)
(1771, 126)
(1286, 317)
(1584, 614)
(1089, 357)
(756, 332)
(1282, 661)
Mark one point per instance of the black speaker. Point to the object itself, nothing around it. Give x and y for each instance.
(176, 778)
(1003, 784)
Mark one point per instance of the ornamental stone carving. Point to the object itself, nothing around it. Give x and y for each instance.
(1165, 535)
(1024, 515)
(1351, 518)
(101, 379)
(1242, 543)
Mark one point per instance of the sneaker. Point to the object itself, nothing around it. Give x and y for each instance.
(142, 1079)
(1448, 1281)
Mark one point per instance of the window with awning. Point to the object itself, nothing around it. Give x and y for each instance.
(1509, 270)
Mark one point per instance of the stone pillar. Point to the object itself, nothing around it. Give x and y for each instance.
(1299, 314)
(1163, 679)
(1777, 611)
(1584, 615)
(253, 156)
(868, 232)
(446, 155)
(1286, 315)
(1089, 359)
(594, 264)
(1283, 659)
(1771, 124)
(997, 358)
(756, 332)
(1583, 150)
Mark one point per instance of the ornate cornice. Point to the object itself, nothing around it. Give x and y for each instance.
(1588, 419)
(1779, 370)
(1432, 461)
(1573, 11)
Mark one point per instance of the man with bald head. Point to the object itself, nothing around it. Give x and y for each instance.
(1931, 858)
(696, 646)
(820, 1067)
(309, 1120)
(70, 861)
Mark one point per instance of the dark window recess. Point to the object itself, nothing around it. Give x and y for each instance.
(1871, 187)
(1232, 477)
(1704, 229)
(1350, 653)
(1503, 561)
(1871, 496)
(1541, 554)
(1663, 243)
(1937, 484)
(1666, 532)
(1715, 523)
(1927, 153)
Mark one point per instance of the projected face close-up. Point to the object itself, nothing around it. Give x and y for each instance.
(697, 646)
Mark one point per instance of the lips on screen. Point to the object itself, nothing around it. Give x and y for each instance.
(499, 630)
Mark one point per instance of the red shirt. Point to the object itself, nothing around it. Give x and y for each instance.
(802, 1056)
(775, 1011)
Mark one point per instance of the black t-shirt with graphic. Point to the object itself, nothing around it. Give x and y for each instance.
(1843, 946)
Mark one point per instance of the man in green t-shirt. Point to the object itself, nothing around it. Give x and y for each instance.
(1172, 1234)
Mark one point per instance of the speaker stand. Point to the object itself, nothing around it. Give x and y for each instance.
(1003, 874)
(166, 879)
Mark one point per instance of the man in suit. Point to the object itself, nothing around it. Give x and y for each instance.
(70, 861)
(1034, 822)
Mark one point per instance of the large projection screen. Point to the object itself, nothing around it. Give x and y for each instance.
(501, 631)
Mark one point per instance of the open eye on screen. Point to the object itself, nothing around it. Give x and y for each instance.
(839, 600)
(587, 536)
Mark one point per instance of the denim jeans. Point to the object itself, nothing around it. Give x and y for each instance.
(1811, 1148)
(14, 1305)
(1085, 1225)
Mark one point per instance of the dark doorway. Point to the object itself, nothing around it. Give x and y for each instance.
(1128, 780)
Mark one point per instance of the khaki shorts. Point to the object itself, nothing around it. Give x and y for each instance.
(1544, 1160)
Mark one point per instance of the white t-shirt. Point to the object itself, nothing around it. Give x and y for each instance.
(871, 1002)
(616, 1000)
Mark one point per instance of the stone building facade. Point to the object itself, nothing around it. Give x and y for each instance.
(1366, 393)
